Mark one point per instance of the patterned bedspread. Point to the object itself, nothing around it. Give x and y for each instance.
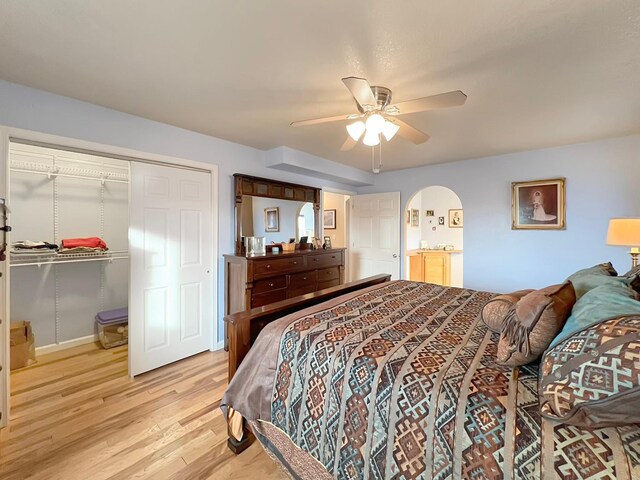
(400, 381)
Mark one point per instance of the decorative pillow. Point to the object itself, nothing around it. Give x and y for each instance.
(533, 323)
(592, 379)
(590, 278)
(603, 302)
(494, 312)
(634, 272)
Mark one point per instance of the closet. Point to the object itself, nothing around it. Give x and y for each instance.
(56, 195)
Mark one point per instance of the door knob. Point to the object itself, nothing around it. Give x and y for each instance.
(395, 255)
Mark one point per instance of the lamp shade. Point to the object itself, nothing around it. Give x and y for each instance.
(624, 232)
(356, 130)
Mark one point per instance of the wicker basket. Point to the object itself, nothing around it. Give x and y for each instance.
(288, 247)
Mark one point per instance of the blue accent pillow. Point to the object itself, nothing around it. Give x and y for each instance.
(590, 278)
(613, 299)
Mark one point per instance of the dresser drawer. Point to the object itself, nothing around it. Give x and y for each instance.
(260, 299)
(297, 280)
(325, 260)
(269, 284)
(301, 289)
(327, 274)
(328, 284)
(278, 265)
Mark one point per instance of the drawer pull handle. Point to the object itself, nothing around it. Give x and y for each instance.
(315, 259)
(271, 284)
(333, 256)
(304, 278)
(268, 266)
(295, 263)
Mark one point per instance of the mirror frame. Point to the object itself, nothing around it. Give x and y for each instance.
(264, 187)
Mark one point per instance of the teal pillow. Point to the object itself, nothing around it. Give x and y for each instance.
(613, 299)
(590, 278)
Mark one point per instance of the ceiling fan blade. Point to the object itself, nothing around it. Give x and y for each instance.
(443, 100)
(410, 133)
(361, 91)
(348, 144)
(315, 121)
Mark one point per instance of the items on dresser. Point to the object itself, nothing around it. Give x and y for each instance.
(260, 280)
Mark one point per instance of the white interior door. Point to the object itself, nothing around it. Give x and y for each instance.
(375, 235)
(170, 248)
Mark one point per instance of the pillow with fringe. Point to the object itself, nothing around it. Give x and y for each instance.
(496, 309)
(531, 324)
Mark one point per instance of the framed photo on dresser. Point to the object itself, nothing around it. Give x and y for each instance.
(538, 205)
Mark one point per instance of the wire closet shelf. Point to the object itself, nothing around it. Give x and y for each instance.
(49, 258)
(50, 172)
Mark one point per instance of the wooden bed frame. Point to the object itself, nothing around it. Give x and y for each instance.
(243, 328)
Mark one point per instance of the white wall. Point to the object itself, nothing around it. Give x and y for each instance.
(603, 181)
(39, 111)
(337, 202)
(440, 200)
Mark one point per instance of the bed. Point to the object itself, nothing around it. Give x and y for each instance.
(399, 380)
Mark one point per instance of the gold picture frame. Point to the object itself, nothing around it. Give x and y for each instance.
(456, 218)
(272, 219)
(538, 205)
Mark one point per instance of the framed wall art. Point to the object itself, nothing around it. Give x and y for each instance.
(415, 217)
(272, 219)
(538, 205)
(329, 219)
(455, 218)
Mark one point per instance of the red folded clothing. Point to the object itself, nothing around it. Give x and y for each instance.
(91, 242)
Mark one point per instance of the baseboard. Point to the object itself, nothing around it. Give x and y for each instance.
(55, 347)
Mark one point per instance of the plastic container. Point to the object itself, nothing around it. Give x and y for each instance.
(113, 327)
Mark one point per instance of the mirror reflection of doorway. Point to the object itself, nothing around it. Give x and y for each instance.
(305, 222)
(434, 226)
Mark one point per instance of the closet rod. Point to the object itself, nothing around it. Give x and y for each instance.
(78, 260)
(55, 174)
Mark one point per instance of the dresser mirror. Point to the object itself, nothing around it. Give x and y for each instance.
(278, 211)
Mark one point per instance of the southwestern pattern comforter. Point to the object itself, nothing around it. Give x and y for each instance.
(400, 381)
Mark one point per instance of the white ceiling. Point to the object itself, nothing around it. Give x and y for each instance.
(537, 73)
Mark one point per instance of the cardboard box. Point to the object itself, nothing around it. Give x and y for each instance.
(22, 345)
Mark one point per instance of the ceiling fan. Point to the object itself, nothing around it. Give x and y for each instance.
(377, 116)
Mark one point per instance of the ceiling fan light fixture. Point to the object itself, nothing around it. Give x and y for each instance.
(356, 129)
(389, 130)
(375, 123)
(371, 139)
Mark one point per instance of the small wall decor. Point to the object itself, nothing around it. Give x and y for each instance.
(455, 218)
(408, 217)
(415, 217)
(538, 205)
(327, 243)
(329, 219)
(440, 220)
(429, 213)
(272, 219)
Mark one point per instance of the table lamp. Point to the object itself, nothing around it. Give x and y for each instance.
(625, 232)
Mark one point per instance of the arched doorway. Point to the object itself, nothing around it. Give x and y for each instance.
(434, 237)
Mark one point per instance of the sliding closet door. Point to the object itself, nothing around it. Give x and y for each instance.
(170, 245)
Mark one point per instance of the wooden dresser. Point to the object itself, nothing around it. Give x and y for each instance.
(431, 266)
(260, 280)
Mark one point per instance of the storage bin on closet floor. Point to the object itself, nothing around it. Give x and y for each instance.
(113, 327)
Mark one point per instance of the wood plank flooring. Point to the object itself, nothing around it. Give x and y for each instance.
(76, 415)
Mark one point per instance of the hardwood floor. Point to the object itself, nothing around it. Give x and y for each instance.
(77, 415)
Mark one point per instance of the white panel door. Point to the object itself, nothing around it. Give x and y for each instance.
(170, 248)
(375, 235)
